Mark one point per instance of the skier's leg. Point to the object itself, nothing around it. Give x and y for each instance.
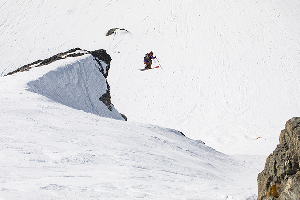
(150, 63)
(145, 65)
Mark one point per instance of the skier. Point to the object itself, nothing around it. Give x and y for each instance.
(148, 60)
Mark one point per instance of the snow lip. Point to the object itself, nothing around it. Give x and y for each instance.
(100, 56)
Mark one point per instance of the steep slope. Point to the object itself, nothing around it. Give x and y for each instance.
(74, 78)
(230, 68)
(230, 71)
(53, 151)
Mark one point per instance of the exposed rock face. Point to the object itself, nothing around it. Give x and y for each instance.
(101, 56)
(280, 179)
(113, 30)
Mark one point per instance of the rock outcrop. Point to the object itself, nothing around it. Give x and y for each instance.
(71, 53)
(113, 31)
(280, 179)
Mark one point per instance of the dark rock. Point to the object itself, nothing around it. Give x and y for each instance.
(281, 177)
(47, 61)
(101, 55)
(181, 133)
(106, 99)
(124, 116)
(112, 31)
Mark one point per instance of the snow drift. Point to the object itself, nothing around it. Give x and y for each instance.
(80, 83)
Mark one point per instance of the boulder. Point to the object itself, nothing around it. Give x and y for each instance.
(280, 178)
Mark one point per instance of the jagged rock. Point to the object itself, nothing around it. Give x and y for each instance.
(71, 53)
(112, 31)
(280, 179)
(101, 55)
(124, 116)
(106, 99)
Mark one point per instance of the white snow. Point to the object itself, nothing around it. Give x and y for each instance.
(95, 161)
(52, 148)
(229, 77)
(230, 69)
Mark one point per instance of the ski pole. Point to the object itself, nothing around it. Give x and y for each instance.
(158, 62)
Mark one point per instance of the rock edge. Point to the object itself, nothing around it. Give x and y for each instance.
(280, 179)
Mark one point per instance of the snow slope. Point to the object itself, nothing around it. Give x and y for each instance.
(230, 68)
(79, 85)
(52, 149)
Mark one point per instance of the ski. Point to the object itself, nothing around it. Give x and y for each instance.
(150, 68)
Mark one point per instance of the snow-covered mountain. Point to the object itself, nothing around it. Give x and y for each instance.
(229, 69)
(228, 77)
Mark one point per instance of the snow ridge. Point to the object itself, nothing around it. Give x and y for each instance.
(71, 53)
(80, 84)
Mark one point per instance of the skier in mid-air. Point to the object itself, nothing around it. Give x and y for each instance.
(148, 60)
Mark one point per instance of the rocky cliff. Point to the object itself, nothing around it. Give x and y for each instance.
(280, 179)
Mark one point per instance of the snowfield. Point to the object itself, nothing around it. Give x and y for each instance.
(229, 77)
(49, 150)
(229, 69)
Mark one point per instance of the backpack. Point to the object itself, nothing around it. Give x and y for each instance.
(147, 58)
